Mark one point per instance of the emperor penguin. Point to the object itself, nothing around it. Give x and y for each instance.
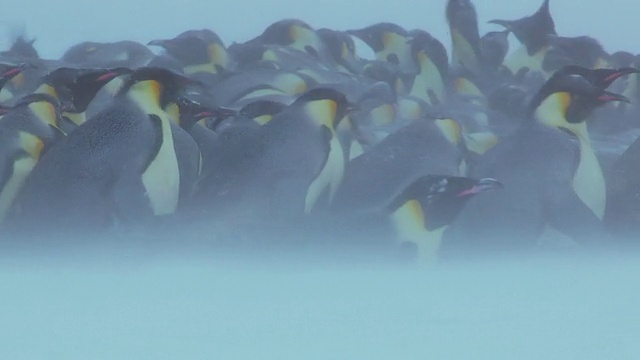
(389, 43)
(301, 161)
(465, 38)
(432, 81)
(7, 73)
(550, 173)
(119, 167)
(82, 89)
(199, 51)
(533, 32)
(410, 224)
(424, 147)
(126, 53)
(27, 130)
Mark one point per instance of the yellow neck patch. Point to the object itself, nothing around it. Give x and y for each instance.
(322, 112)
(410, 226)
(450, 129)
(147, 94)
(44, 111)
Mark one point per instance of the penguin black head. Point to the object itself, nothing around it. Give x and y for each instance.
(423, 41)
(164, 84)
(581, 50)
(532, 31)
(341, 47)
(572, 96)
(86, 85)
(495, 46)
(439, 199)
(196, 47)
(192, 111)
(461, 16)
(602, 78)
(374, 35)
(261, 108)
(22, 49)
(284, 32)
(8, 72)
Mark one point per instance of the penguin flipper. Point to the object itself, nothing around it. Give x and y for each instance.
(572, 217)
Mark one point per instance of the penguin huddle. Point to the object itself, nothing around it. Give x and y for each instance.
(293, 138)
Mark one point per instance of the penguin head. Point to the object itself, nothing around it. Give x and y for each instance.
(379, 36)
(342, 49)
(602, 78)
(262, 111)
(581, 50)
(495, 47)
(21, 48)
(292, 32)
(164, 86)
(196, 47)
(324, 106)
(532, 31)
(437, 200)
(189, 112)
(87, 84)
(425, 47)
(570, 97)
(8, 72)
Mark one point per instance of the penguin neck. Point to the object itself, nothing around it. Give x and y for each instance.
(47, 89)
(521, 59)
(552, 112)
(396, 44)
(45, 112)
(463, 53)
(409, 222)
(322, 113)
(76, 118)
(428, 83)
(147, 95)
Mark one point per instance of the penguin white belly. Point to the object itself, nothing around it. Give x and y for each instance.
(161, 179)
(330, 175)
(408, 222)
(588, 181)
(21, 169)
(521, 59)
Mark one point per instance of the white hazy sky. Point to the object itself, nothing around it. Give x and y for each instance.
(58, 24)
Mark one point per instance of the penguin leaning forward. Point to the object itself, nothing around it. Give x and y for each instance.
(550, 174)
(301, 161)
(119, 167)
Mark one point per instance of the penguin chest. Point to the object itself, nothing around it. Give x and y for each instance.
(161, 178)
(21, 169)
(521, 59)
(329, 177)
(409, 225)
(588, 181)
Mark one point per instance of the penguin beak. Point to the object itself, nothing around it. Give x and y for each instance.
(609, 97)
(482, 185)
(15, 70)
(620, 73)
(224, 112)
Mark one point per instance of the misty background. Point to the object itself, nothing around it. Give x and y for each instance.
(137, 307)
(59, 24)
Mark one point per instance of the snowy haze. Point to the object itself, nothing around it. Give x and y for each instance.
(136, 306)
(58, 24)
